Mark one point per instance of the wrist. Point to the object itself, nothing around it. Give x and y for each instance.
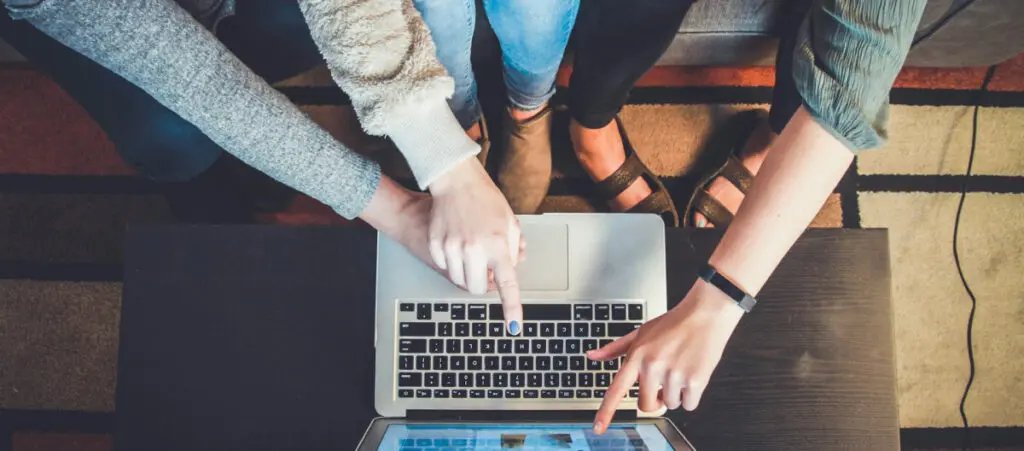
(388, 207)
(458, 177)
(716, 304)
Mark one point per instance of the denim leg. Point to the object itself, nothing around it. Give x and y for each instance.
(533, 35)
(451, 24)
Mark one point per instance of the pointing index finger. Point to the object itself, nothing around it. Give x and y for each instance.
(618, 390)
(507, 280)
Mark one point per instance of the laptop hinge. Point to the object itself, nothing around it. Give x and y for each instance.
(533, 416)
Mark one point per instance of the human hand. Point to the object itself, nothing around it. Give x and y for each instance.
(473, 232)
(672, 356)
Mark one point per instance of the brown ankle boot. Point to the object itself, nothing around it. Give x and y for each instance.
(525, 172)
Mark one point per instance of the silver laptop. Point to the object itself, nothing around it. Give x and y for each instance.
(587, 280)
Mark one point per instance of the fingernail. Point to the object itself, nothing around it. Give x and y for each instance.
(513, 327)
(597, 427)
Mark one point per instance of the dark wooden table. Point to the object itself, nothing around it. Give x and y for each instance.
(261, 338)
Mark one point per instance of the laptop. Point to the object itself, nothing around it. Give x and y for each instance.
(449, 376)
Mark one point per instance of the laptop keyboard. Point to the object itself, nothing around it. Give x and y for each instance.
(455, 350)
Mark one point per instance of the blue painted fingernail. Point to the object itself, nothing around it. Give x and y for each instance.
(513, 327)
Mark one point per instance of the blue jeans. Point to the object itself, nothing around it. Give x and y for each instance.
(532, 34)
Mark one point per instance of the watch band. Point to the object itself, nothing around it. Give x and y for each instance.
(711, 275)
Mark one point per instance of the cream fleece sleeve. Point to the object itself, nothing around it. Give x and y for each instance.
(381, 54)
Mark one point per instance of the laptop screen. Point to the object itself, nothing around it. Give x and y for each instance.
(533, 437)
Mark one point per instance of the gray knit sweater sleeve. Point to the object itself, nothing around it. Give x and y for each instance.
(157, 46)
(847, 56)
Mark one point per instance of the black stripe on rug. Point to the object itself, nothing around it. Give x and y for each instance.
(900, 183)
(952, 438)
(692, 95)
(65, 272)
(849, 201)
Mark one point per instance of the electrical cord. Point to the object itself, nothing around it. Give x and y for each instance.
(956, 255)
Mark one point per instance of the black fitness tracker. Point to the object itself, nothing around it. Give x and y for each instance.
(711, 275)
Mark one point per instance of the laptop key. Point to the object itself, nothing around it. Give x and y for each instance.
(407, 346)
(547, 329)
(407, 307)
(453, 346)
(517, 379)
(636, 312)
(522, 346)
(448, 380)
(621, 329)
(583, 312)
(432, 379)
(474, 363)
(561, 363)
(611, 365)
(495, 312)
(416, 330)
(548, 312)
(604, 342)
(483, 380)
(487, 346)
(461, 329)
(597, 329)
(477, 312)
(530, 394)
(465, 379)
(576, 363)
(563, 394)
(405, 362)
(504, 346)
(586, 379)
(548, 394)
(491, 363)
(589, 345)
(543, 363)
(551, 379)
(436, 346)
(634, 393)
(422, 393)
(458, 362)
(508, 363)
(440, 307)
(441, 393)
(444, 329)
(479, 329)
(593, 365)
(580, 330)
(500, 380)
(530, 329)
(495, 329)
(583, 394)
(470, 346)
(604, 379)
(460, 393)
(619, 312)
(564, 330)
(410, 379)
(423, 311)
(601, 312)
(405, 393)
(539, 346)
(477, 394)
(423, 362)
(513, 394)
(572, 346)
(440, 362)
(599, 393)
(526, 363)
(556, 346)
(494, 393)
(458, 312)
(568, 379)
(534, 380)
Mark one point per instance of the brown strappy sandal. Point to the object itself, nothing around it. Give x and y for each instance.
(658, 202)
(740, 126)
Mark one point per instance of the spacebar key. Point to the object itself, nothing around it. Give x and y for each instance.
(537, 312)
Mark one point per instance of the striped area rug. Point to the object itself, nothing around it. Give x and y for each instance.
(65, 199)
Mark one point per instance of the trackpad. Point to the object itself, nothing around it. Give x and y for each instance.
(547, 258)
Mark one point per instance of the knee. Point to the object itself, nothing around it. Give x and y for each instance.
(164, 147)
